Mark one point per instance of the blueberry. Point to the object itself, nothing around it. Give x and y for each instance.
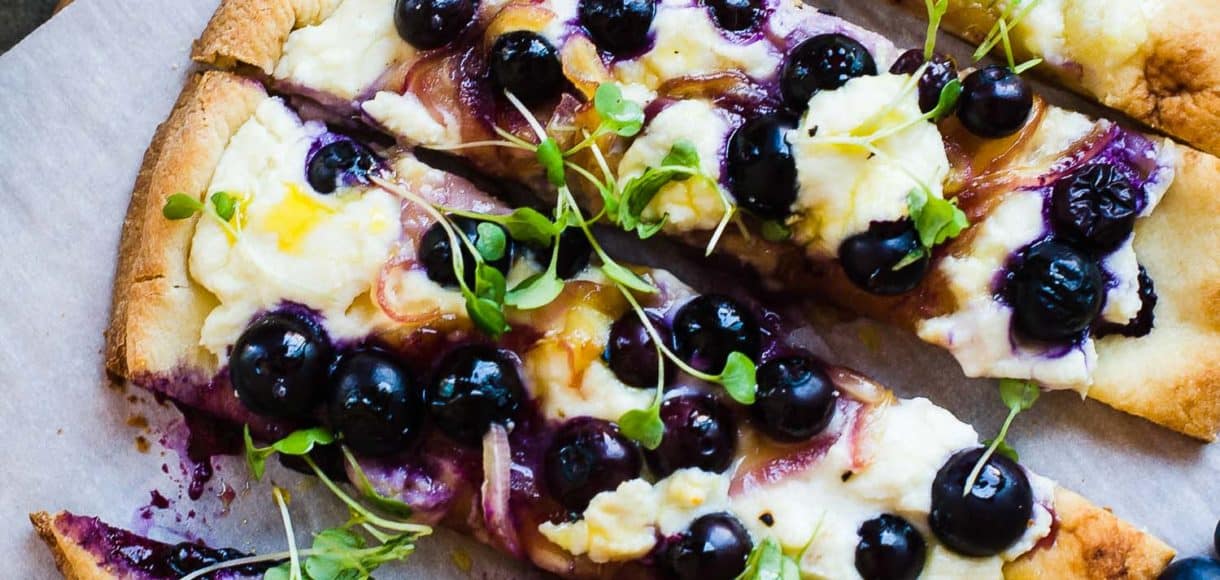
(795, 398)
(1056, 291)
(995, 102)
(474, 387)
(632, 354)
(1095, 205)
(699, 432)
(375, 404)
(761, 167)
(1142, 324)
(527, 65)
(278, 365)
(714, 547)
(711, 327)
(822, 63)
(339, 163)
(435, 254)
(574, 253)
(869, 258)
(618, 26)
(588, 456)
(941, 70)
(890, 548)
(735, 15)
(1216, 539)
(992, 516)
(1196, 568)
(427, 24)
(187, 557)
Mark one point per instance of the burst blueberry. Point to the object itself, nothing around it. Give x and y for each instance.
(736, 15)
(1095, 205)
(871, 258)
(527, 65)
(618, 26)
(427, 24)
(761, 166)
(1056, 291)
(942, 69)
(822, 63)
(989, 517)
(339, 163)
(474, 387)
(376, 405)
(588, 456)
(278, 365)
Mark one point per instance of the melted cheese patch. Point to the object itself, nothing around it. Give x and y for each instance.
(695, 203)
(295, 245)
(688, 43)
(407, 118)
(624, 524)
(345, 53)
(842, 188)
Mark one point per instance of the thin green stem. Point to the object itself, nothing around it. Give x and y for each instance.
(656, 338)
(364, 512)
(294, 559)
(995, 444)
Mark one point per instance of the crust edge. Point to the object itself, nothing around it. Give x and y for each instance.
(72, 561)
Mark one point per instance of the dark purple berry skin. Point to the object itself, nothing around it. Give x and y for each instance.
(994, 103)
(869, 258)
(941, 70)
(890, 548)
(427, 24)
(1144, 320)
(574, 253)
(1056, 292)
(279, 365)
(736, 15)
(715, 547)
(699, 432)
(711, 327)
(474, 386)
(435, 254)
(761, 167)
(619, 27)
(795, 399)
(339, 163)
(632, 354)
(992, 516)
(187, 557)
(525, 64)
(1196, 568)
(588, 456)
(376, 405)
(1216, 539)
(822, 63)
(1095, 205)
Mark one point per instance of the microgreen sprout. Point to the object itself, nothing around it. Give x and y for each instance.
(222, 208)
(999, 34)
(1018, 396)
(767, 561)
(339, 553)
(738, 379)
(936, 220)
(936, 12)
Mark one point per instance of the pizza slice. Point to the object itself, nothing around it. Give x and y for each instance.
(1148, 60)
(1031, 242)
(349, 305)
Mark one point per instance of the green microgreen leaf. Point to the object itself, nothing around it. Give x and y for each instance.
(380, 502)
(490, 241)
(682, 154)
(645, 230)
(643, 426)
(936, 12)
(551, 159)
(536, 291)
(300, 442)
(1019, 395)
(224, 204)
(1003, 448)
(180, 206)
(774, 231)
(529, 226)
(936, 219)
(620, 274)
(947, 101)
(768, 562)
(619, 115)
(680, 164)
(738, 378)
(489, 283)
(485, 305)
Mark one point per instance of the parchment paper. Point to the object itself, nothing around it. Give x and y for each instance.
(79, 101)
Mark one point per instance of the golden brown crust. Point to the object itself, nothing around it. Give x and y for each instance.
(1172, 376)
(73, 561)
(1171, 81)
(157, 310)
(1091, 543)
(253, 32)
